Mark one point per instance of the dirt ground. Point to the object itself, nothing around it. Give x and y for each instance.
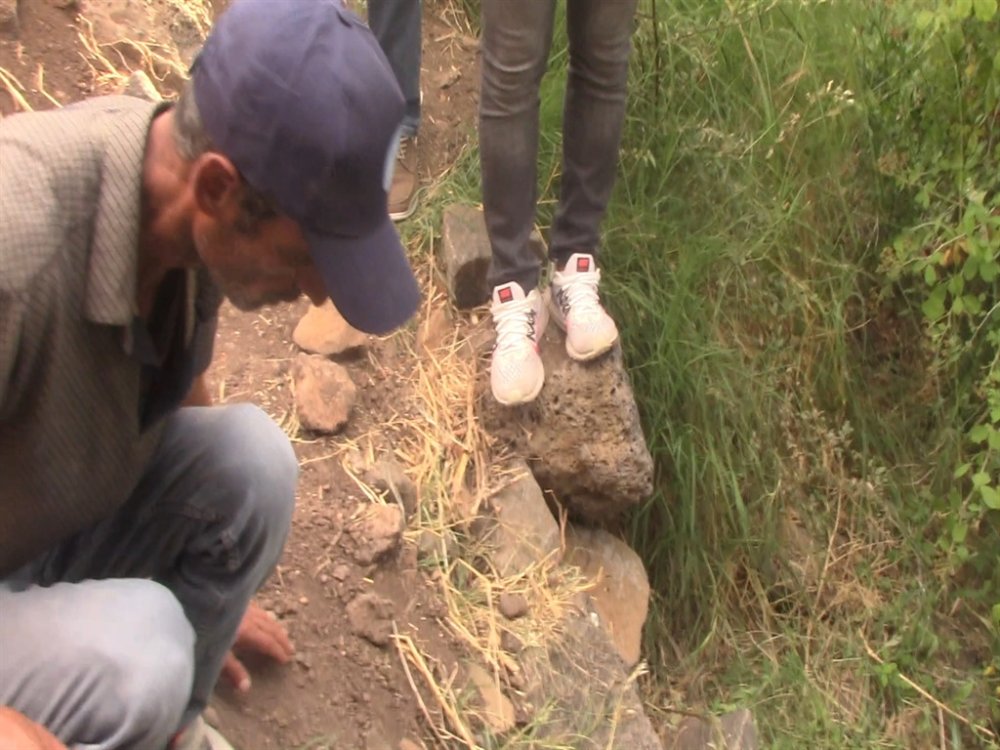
(341, 691)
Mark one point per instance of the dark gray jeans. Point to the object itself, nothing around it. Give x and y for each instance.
(516, 38)
(115, 638)
(396, 26)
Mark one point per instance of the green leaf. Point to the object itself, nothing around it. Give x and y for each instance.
(962, 470)
(930, 274)
(984, 9)
(990, 496)
(996, 614)
(989, 270)
(963, 8)
(979, 433)
(924, 19)
(933, 307)
(959, 532)
(980, 478)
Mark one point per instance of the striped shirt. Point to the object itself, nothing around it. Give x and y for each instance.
(83, 381)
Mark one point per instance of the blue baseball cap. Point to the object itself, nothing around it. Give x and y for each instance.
(299, 96)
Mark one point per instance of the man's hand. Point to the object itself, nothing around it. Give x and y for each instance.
(261, 633)
(18, 732)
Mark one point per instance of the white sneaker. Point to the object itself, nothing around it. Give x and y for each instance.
(516, 371)
(577, 309)
(198, 735)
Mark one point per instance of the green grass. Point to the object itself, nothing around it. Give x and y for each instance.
(800, 440)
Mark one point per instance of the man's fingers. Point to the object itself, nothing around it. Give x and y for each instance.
(269, 640)
(236, 673)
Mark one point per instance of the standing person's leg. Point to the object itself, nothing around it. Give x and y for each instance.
(208, 521)
(599, 44)
(100, 664)
(396, 26)
(516, 38)
(600, 33)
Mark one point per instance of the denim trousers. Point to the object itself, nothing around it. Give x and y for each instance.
(116, 637)
(396, 26)
(516, 39)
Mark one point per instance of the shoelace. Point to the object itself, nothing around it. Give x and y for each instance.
(514, 321)
(579, 293)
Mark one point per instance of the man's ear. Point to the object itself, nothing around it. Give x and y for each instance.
(216, 184)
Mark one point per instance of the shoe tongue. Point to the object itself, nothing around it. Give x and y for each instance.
(580, 263)
(504, 293)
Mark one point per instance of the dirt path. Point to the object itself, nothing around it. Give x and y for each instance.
(342, 691)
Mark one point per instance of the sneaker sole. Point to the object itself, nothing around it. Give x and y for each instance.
(402, 215)
(518, 402)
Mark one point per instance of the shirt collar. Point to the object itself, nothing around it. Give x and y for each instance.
(112, 270)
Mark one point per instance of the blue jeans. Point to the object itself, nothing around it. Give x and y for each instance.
(516, 38)
(396, 26)
(115, 638)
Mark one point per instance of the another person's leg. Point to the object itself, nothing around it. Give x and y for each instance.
(396, 26)
(208, 521)
(516, 37)
(100, 664)
(599, 45)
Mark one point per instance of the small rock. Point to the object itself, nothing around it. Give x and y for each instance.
(140, 86)
(513, 606)
(511, 643)
(525, 532)
(324, 393)
(323, 330)
(620, 591)
(341, 572)
(466, 252)
(733, 731)
(405, 744)
(9, 26)
(378, 532)
(370, 617)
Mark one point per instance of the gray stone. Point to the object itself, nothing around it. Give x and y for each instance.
(620, 586)
(324, 393)
(524, 532)
(323, 330)
(140, 86)
(370, 617)
(513, 606)
(582, 434)
(591, 702)
(466, 252)
(378, 532)
(9, 26)
(733, 731)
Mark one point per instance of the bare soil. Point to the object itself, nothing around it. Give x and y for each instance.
(341, 691)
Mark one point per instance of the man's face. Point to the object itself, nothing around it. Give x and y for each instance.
(262, 265)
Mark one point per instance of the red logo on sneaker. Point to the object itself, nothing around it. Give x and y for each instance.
(505, 294)
(583, 265)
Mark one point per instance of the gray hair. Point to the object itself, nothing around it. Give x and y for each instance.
(192, 141)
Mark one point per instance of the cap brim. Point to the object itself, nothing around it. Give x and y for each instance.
(368, 278)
